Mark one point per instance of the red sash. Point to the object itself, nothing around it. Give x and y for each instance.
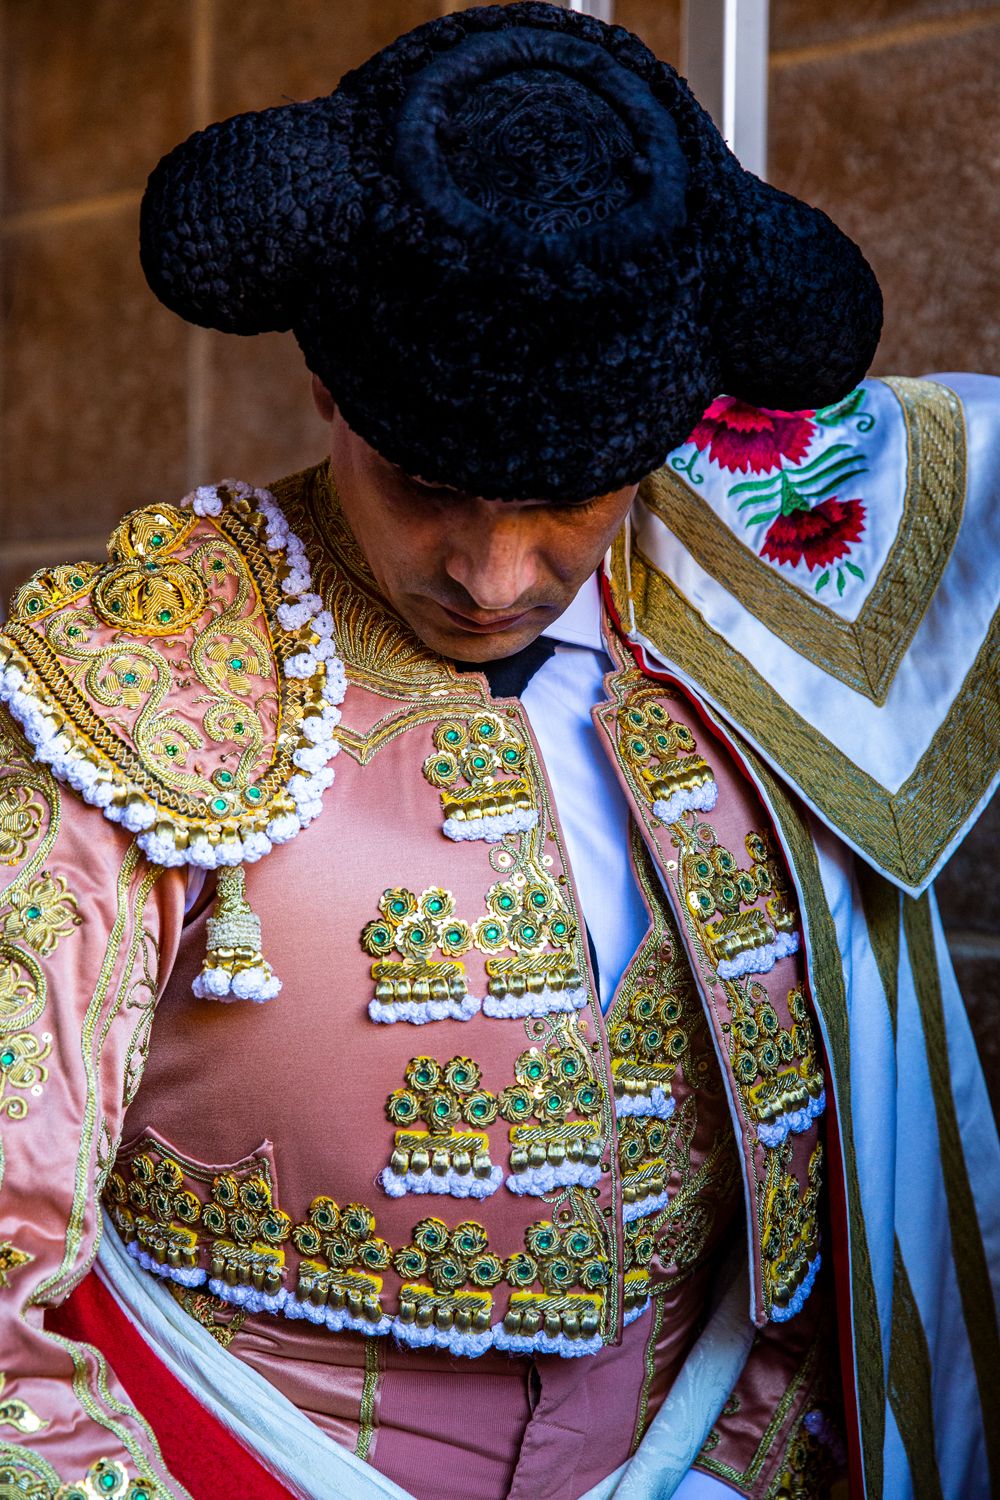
(200, 1453)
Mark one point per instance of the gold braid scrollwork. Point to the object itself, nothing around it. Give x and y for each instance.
(37, 910)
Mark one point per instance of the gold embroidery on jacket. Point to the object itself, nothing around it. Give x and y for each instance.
(218, 760)
(660, 753)
(551, 1083)
(344, 1258)
(415, 984)
(18, 1414)
(453, 1160)
(23, 1472)
(489, 758)
(572, 1272)
(37, 911)
(221, 1319)
(11, 1259)
(460, 1270)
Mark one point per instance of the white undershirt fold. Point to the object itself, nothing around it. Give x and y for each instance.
(591, 805)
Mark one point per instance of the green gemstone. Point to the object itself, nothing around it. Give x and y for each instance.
(559, 928)
(6, 1058)
(510, 754)
(152, 567)
(116, 608)
(479, 1108)
(435, 905)
(452, 736)
(218, 565)
(486, 730)
(73, 630)
(493, 934)
(76, 581)
(156, 540)
(107, 1481)
(237, 664)
(441, 1107)
(172, 749)
(506, 902)
(397, 907)
(33, 913)
(535, 1070)
(34, 605)
(479, 761)
(224, 778)
(129, 678)
(253, 794)
(220, 805)
(238, 727)
(419, 935)
(539, 898)
(530, 932)
(442, 768)
(165, 616)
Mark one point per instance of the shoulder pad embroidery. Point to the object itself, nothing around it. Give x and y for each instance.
(188, 687)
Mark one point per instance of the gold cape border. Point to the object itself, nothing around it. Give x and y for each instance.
(904, 833)
(864, 653)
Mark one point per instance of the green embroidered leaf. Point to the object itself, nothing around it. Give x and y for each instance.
(768, 515)
(829, 416)
(853, 568)
(822, 581)
(841, 582)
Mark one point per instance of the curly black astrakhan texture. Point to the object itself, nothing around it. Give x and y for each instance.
(516, 251)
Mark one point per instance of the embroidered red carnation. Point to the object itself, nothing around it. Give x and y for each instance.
(742, 437)
(816, 537)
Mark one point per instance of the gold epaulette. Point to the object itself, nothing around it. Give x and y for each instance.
(188, 687)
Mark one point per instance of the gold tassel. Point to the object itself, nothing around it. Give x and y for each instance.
(234, 967)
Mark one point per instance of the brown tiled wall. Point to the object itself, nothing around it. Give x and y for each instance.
(884, 112)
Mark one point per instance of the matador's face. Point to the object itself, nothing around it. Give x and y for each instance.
(474, 579)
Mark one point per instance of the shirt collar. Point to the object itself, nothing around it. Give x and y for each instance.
(580, 623)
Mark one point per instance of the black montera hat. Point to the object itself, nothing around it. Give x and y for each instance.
(516, 251)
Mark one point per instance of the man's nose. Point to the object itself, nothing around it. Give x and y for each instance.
(490, 553)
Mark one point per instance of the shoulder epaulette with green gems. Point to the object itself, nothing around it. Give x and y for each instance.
(188, 687)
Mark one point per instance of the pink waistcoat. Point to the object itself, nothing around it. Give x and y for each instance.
(434, 1134)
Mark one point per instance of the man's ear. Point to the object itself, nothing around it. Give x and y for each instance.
(323, 401)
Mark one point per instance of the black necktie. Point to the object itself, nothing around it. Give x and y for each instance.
(509, 675)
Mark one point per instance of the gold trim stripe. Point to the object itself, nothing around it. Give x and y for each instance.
(827, 979)
(910, 1384)
(903, 833)
(369, 1391)
(969, 1255)
(649, 1362)
(866, 652)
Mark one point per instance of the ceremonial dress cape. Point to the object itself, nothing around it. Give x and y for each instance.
(802, 712)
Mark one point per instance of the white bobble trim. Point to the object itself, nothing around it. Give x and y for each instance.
(300, 610)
